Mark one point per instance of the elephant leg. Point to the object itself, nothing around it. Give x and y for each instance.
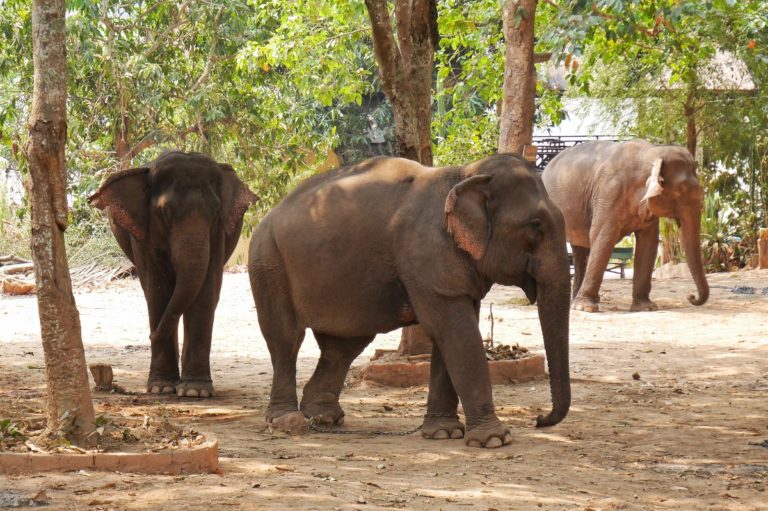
(602, 241)
(164, 365)
(320, 400)
(198, 330)
(441, 420)
(580, 258)
(284, 334)
(453, 325)
(646, 246)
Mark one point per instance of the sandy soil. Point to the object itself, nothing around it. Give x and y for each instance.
(686, 434)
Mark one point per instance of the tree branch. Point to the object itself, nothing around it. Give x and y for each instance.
(171, 31)
(155, 138)
(538, 58)
(211, 53)
(342, 35)
(384, 46)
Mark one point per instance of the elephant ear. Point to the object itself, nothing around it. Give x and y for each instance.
(466, 215)
(235, 198)
(654, 188)
(125, 196)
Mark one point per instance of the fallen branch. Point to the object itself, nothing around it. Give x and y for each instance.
(11, 269)
(11, 258)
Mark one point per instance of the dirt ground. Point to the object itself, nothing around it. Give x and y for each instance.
(688, 431)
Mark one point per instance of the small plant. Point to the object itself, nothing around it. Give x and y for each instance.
(721, 248)
(671, 241)
(100, 424)
(10, 433)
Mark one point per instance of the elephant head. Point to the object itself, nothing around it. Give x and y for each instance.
(672, 190)
(185, 206)
(503, 218)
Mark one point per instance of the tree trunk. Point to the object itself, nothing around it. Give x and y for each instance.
(406, 61)
(690, 118)
(518, 104)
(70, 409)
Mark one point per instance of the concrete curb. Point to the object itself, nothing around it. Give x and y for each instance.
(201, 459)
(410, 374)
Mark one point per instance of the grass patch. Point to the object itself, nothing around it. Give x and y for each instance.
(517, 301)
(85, 242)
(88, 242)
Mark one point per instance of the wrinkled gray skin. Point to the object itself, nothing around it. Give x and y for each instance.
(388, 243)
(178, 220)
(607, 190)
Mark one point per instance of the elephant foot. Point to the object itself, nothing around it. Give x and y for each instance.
(442, 428)
(328, 414)
(293, 423)
(194, 388)
(489, 437)
(581, 303)
(643, 306)
(161, 386)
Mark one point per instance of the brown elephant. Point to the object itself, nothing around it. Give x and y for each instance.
(607, 190)
(387, 243)
(178, 220)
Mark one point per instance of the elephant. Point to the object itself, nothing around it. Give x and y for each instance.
(607, 190)
(387, 243)
(178, 219)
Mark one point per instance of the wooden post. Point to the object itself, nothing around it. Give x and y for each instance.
(762, 249)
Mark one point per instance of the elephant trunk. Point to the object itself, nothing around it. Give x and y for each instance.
(553, 290)
(690, 222)
(190, 254)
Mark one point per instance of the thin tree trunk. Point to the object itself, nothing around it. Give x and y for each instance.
(70, 409)
(690, 118)
(518, 104)
(406, 62)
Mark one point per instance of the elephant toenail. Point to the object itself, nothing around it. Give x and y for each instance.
(493, 443)
(457, 433)
(204, 393)
(180, 392)
(192, 393)
(508, 438)
(167, 389)
(440, 435)
(474, 443)
(155, 390)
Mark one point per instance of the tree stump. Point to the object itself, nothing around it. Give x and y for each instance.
(414, 341)
(102, 375)
(762, 249)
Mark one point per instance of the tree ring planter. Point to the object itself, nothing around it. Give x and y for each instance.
(200, 459)
(396, 371)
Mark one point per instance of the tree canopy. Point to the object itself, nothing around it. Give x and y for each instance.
(283, 89)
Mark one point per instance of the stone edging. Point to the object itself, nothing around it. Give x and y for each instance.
(196, 460)
(409, 374)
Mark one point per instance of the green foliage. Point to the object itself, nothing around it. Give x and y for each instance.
(723, 249)
(259, 84)
(671, 241)
(656, 58)
(469, 78)
(9, 430)
(279, 89)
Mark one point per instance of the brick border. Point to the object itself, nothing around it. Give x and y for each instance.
(410, 374)
(201, 459)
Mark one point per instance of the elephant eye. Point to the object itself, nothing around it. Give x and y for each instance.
(536, 225)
